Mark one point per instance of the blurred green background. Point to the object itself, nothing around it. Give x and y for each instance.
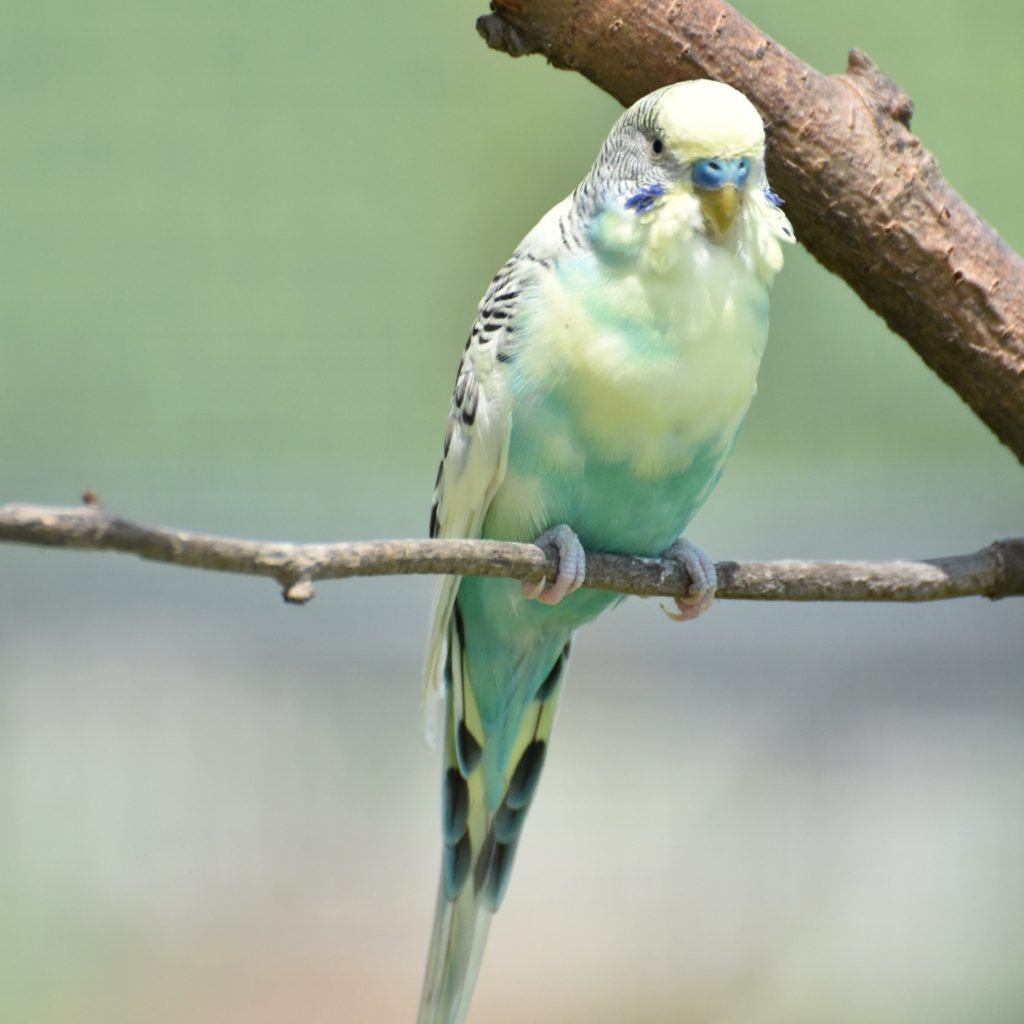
(240, 248)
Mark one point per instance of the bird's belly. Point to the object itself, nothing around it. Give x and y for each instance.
(628, 399)
(604, 499)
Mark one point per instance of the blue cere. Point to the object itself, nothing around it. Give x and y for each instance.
(717, 173)
(643, 200)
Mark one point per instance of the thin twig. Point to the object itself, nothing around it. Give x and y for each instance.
(994, 572)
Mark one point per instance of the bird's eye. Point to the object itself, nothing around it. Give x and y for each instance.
(657, 146)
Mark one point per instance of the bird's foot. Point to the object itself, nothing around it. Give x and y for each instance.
(703, 580)
(572, 566)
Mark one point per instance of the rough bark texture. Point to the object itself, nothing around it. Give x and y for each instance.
(865, 197)
(996, 571)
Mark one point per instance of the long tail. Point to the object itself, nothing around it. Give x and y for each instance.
(481, 833)
(457, 947)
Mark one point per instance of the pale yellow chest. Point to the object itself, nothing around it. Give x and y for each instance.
(648, 367)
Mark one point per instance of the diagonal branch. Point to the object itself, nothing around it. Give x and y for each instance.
(994, 572)
(865, 197)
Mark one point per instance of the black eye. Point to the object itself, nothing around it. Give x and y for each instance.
(657, 146)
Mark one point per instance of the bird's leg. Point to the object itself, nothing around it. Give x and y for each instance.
(572, 566)
(703, 580)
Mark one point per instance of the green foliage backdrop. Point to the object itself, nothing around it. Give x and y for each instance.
(240, 248)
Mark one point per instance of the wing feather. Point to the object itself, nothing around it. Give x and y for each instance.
(475, 454)
(480, 425)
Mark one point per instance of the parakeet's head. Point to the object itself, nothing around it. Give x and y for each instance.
(698, 139)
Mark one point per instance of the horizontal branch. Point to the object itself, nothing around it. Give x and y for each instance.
(994, 572)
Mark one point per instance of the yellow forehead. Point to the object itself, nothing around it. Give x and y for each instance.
(702, 119)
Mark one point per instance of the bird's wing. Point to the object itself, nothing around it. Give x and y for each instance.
(479, 426)
(475, 452)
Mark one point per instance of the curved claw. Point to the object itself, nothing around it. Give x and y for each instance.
(703, 580)
(572, 566)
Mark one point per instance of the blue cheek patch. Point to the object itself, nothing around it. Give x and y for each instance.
(773, 197)
(642, 201)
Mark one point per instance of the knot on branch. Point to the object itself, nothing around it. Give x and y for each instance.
(500, 34)
(883, 94)
(298, 591)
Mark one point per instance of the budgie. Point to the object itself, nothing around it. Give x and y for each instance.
(611, 364)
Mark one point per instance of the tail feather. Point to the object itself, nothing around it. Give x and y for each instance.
(456, 950)
(488, 785)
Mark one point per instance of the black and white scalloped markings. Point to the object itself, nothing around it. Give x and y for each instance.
(495, 315)
(492, 339)
(465, 403)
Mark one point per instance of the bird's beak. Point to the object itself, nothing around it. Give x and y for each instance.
(719, 206)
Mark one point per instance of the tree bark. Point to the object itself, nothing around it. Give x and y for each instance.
(867, 200)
